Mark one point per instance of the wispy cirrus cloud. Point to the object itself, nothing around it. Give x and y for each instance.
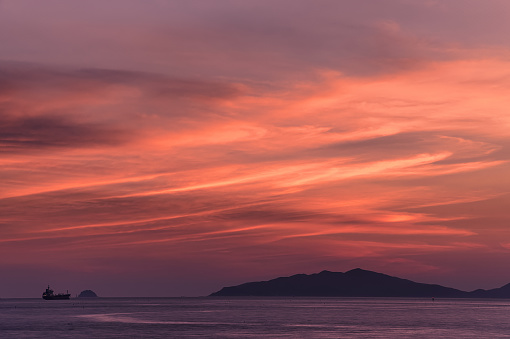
(253, 138)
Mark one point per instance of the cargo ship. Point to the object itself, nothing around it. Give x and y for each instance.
(48, 295)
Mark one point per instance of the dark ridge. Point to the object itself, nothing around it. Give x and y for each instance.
(353, 283)
(502, 292)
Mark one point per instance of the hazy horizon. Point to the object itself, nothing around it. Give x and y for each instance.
(171, 148)
(74, 294)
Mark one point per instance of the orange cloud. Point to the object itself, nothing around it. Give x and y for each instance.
(332, 167)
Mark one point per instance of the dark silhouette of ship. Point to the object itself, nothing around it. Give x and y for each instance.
(48, 295)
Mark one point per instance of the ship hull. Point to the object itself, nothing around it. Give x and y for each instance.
(57, 297)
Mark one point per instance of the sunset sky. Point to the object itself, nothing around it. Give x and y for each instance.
(170, 148)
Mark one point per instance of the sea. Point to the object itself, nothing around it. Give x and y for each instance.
(254, 317)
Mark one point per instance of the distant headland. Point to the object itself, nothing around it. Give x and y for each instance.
(353, 283)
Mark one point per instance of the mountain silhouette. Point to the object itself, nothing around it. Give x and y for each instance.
(353, 283)
(502, 292)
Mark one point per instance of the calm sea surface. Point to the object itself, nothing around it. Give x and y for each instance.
(254, 318)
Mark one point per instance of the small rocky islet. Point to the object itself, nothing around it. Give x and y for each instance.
(87, 294)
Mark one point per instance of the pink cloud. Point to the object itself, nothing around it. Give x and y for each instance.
(364, 139)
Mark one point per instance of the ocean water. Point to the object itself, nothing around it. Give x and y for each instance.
(254, 318)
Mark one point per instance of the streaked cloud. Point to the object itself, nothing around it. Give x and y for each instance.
(244, 139)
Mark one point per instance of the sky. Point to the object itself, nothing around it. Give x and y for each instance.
(170, 148)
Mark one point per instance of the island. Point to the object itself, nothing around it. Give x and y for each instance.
(87, 294)
(354, 283)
